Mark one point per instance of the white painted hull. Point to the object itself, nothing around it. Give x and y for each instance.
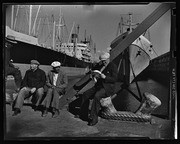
(138, 62)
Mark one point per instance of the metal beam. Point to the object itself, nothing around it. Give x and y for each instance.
(140, 29)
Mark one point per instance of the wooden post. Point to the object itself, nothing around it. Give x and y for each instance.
(173, 75)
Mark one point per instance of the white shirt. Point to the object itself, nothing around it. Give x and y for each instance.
(55, 79)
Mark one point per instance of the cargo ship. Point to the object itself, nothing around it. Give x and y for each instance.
(71, 53)
(137, 56)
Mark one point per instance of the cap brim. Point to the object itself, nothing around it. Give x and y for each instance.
(35, 63)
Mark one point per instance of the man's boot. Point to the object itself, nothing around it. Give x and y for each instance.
(16, 111)
(45, 112)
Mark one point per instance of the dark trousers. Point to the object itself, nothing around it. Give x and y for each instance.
(52, 98)
(16, 73)
(25, 93)
(93, 93)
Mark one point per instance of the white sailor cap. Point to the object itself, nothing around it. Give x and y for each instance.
(104, 56)
(56, 64)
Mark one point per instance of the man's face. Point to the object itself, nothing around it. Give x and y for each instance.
(33, 66)
(8, 45)
(56, 69)
(105, 61)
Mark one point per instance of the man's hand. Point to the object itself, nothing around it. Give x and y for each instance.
(16, 67)
(33, 90)
(103, 76)
(53, 87)
(24, 88)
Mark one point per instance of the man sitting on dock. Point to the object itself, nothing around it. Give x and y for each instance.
(56, 82)
(11, 69)
(32, 84)
(103, 88)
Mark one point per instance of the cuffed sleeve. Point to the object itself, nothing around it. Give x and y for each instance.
(112, 77)
(64, 81)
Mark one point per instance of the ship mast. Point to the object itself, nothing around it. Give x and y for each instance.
(120, 28)
(12, 16)
(71, 32)
(30, 15)
(54, 26)
(16, 17)
(130, 21)
(59, 26)
(37, 33)
(77, 31)
(33, 29)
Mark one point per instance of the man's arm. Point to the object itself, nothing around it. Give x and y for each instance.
(42, 81)
(65, 80)
(113, 74)
(48, 83)
(24, 82)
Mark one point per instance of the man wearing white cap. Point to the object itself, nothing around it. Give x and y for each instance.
(56, 82)
(104, 87)
(32, 84)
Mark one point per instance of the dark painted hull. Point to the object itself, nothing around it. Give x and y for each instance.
(24, 53)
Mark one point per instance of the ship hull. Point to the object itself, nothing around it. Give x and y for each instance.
(133, 60)
(139, 61)
(23, 53)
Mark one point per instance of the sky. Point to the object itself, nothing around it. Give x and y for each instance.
(101, 22)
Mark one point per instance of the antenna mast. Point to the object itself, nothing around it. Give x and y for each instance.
(12, 16)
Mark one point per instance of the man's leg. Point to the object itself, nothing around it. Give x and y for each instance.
(85, 103)
(46, 102)
(96, 106)
(20, 100)
(39, 95)
(55, 101)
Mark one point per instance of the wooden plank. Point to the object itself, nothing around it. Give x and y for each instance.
(117, 40)
(149, 21)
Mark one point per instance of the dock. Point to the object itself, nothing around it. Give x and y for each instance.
(30, 125)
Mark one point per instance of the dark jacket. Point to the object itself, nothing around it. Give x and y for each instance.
(35, 79)
(108, 83)
(8, 57)
(62, 80)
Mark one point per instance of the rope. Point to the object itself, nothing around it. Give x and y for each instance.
(126, 116)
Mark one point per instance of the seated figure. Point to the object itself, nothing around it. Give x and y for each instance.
(33, 84)
(56, 82)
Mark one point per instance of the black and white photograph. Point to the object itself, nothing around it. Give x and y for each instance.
(89, 71)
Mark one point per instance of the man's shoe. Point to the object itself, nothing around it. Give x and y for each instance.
(45, 112)
(16, 112)
(77, 116)
(56, 113)
(93, 122)
(35, 108)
